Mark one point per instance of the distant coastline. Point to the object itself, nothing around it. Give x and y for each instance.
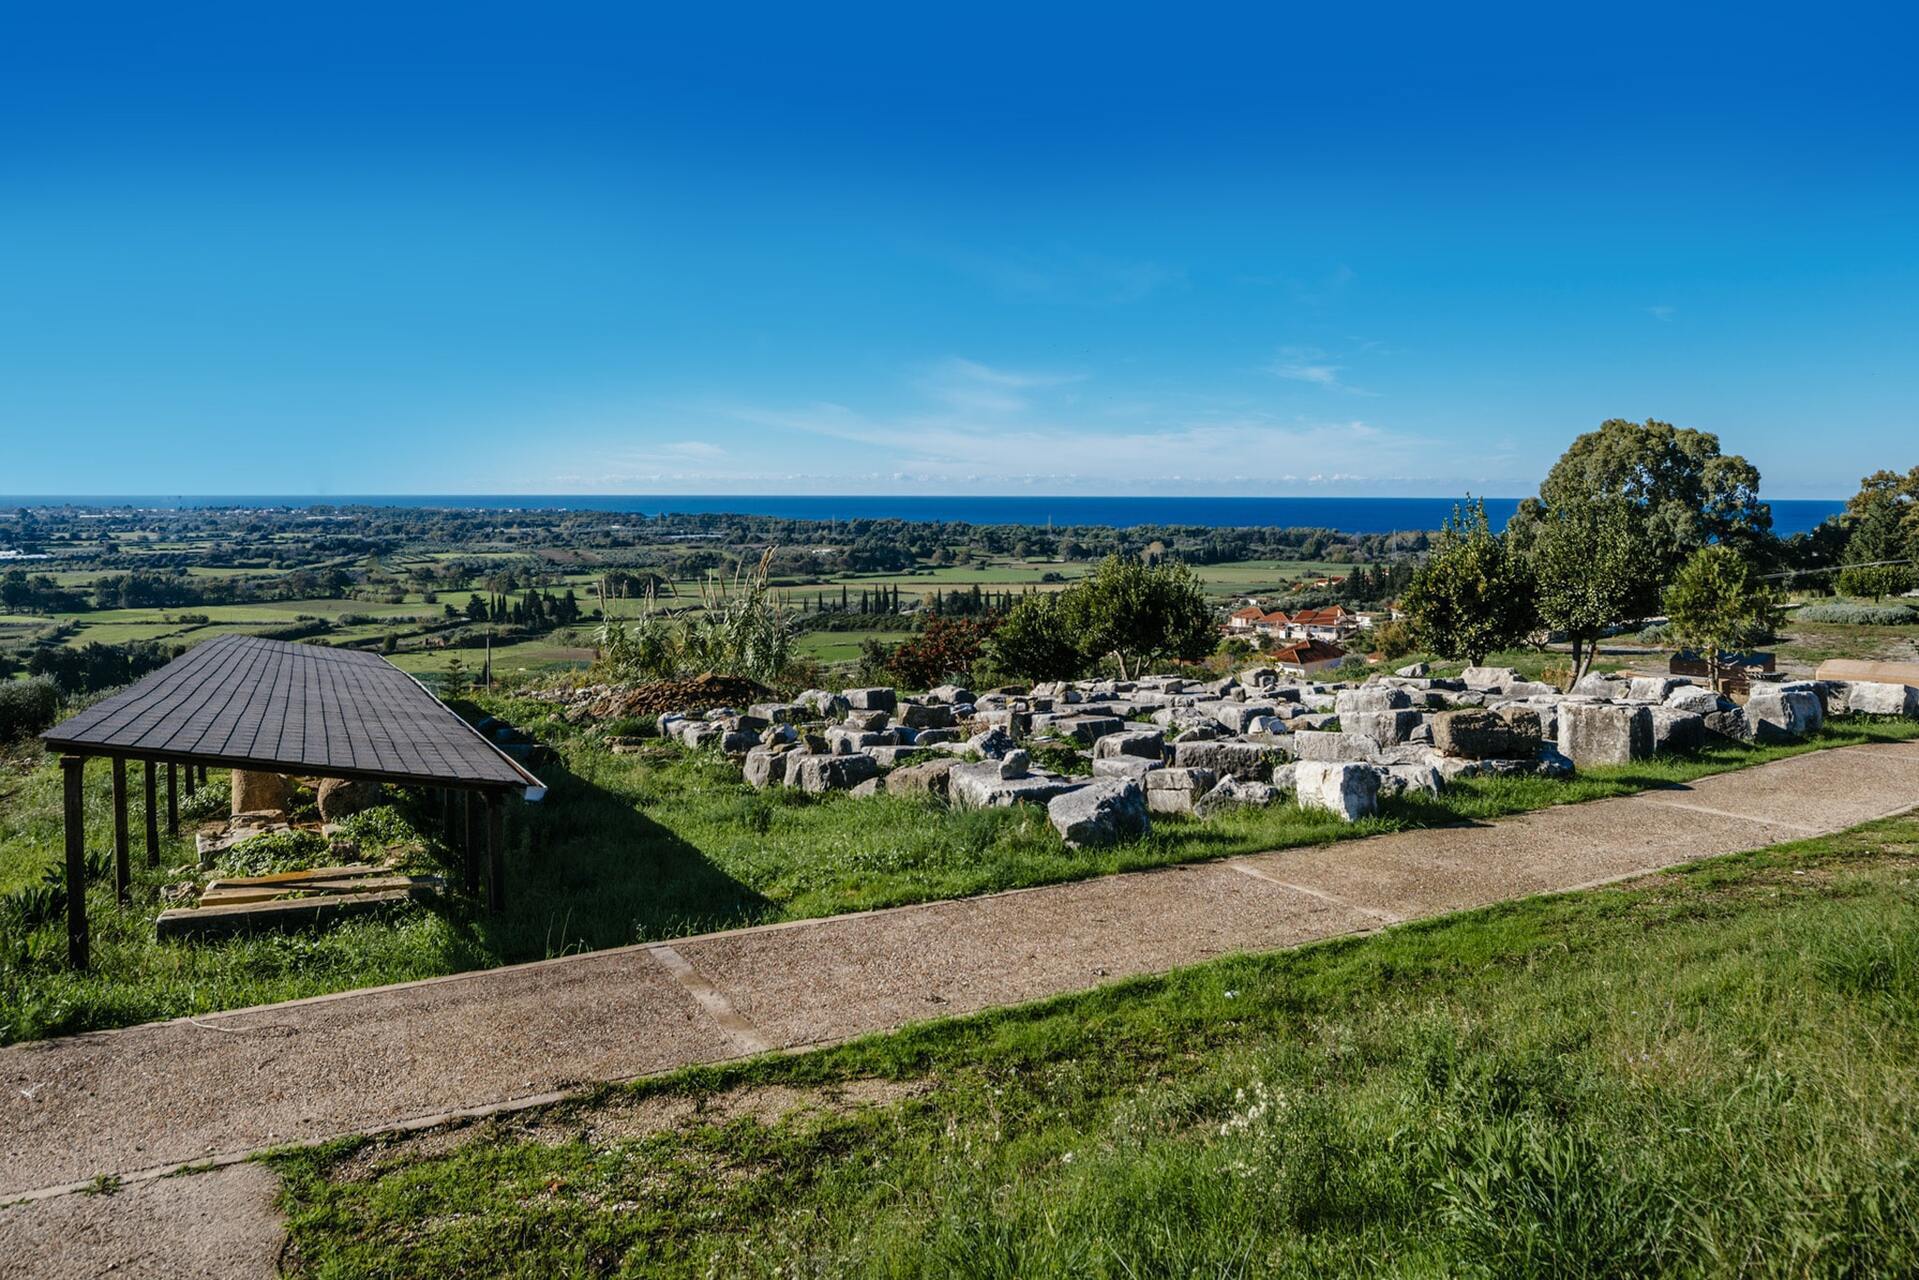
(1347, 515)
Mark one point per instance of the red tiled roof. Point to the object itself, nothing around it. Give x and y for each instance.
(1305, 651)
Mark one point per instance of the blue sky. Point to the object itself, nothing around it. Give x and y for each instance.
(994, 250)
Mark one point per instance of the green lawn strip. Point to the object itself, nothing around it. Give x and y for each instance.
(1712, 1070)
(643, 848)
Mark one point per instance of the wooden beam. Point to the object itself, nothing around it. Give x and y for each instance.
(173, 800)
(495, 852)
(122, 865)
(193, 780)
(153, 816)
(74, 770)
(470, 837)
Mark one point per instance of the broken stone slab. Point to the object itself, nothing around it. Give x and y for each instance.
(926, 778)
(738, 741)
(1489, 677)
(1875, 698)
(1235, 716)
(1730, 722)
(1176, 790)
(1334, 746)
(951, 693)
(1384, 727)
(1351, 791)
(819, 774)
(980, 786)
(1783, 711)
(871, 787)
(1247, 761)
(778, 712)
(1478, 734)
(1235, 793)
(254, 791)
(1105, 811)
(1697, 699)
(1399, 779)
(1085, 730)
(1595, 685)
(1146, 744)
(930, 716)
(876, 698)
(1133, 767)
(1595, 733)
(339, 798)
(1370, 698)
(843, 741)
(1674, 730)
(1531, 689)
(886, 757)
(867, 721)
(821, 703)
(1651, 688)
(764, 766)
(1415, 670)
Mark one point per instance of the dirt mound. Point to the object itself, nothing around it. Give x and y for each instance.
(701, 693)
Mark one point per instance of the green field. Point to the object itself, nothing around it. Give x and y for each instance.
(1712, 1071)
(640, 847)
(842, 646)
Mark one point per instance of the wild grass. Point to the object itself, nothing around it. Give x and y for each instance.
(1708, 1072)
(637, 848)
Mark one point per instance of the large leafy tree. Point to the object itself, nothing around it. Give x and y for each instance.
(1717, 605)
(1125, 610)
(1593, 567)
(1882, 542)
(1037, 640)
(1136, 613)
(1473, 594)
(1685, 492)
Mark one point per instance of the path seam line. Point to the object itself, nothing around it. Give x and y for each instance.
(710, 998)
(1377, 913)
(1742, 817)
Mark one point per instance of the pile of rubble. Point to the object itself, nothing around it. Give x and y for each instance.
(1164, 744)
(645, 701)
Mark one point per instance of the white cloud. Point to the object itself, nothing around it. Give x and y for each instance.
(1662, 312)
(1311, 365)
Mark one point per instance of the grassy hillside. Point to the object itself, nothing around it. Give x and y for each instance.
(635, 848)
(1713, 1071)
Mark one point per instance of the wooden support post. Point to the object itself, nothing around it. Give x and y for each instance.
(495, 852)
(122, 842)
(153, 816)
(470, 841)
(74, 769)
(193, 780)
(173, 800)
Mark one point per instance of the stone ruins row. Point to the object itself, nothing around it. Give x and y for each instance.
(1164, 744)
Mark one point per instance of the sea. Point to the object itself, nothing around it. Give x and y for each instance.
(1348, 515)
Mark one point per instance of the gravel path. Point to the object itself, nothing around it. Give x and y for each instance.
(142, 1101)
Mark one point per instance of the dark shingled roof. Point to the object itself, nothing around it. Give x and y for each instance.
(247, 703)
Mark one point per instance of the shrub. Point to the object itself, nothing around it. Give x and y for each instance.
(1859, 615)
(944, 647)
(274, 852)
(27, 707)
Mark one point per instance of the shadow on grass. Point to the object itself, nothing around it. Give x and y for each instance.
(587, 870)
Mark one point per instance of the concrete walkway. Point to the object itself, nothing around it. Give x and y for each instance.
(141, 1101)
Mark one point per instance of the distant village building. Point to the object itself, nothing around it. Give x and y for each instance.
(1305, 657)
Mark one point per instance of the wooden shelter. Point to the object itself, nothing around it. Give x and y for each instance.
(242, 702)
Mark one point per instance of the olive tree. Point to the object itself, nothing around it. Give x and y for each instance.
(1473, 595)
(1594, 567)
(1717, 605)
